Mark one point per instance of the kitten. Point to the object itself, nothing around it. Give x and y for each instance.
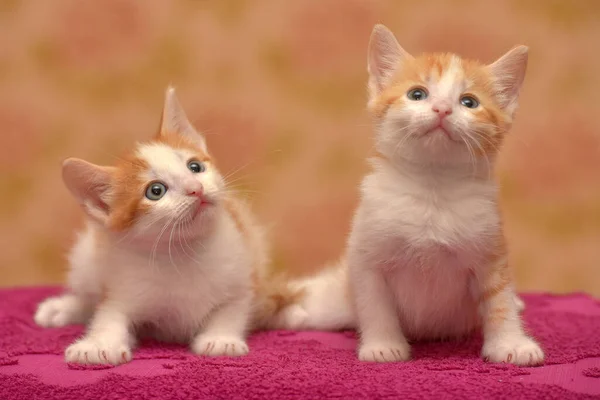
(426, 257)
(167, 252)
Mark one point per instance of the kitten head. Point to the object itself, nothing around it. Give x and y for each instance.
(440, 108)
(169, 184)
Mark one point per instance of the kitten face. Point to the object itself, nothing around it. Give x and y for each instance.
(165, 187)
(174, 184)
(439, 108)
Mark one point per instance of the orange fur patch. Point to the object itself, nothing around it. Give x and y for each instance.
(496, 316)
(233, 208)
(127, 192)
(380, 156)
(498, 296)
(498, 280)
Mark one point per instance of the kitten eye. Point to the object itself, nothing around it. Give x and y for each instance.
(469, 101)
(417, 94)
(196, 167)
(155, 191)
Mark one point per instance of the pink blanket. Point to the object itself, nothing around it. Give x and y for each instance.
(304, 365)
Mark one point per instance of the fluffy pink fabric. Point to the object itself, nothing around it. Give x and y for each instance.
(304, 365)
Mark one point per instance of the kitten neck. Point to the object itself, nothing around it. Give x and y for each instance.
(480, 170)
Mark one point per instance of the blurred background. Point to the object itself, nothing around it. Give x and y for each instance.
(279, 89)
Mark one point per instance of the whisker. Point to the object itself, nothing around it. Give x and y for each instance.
(173, 264)
(230, 174)
(152, 260)
(485, 153)
(401, 142)
(162, 231)
(239, 179)
(183, 224)
(471, 155)
(187, 229)
(181, 241)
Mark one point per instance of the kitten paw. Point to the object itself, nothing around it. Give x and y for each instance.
(384, 352)
(59, 311)
(87, 351)
(518, 350)
(219, 346)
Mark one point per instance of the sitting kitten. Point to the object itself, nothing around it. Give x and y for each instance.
(167, 251)
(426, 258)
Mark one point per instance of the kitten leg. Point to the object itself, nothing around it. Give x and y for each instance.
(381, 338)
(504, 337)
(225, 330)
(76, 306)
(63, 310)
(108, 340)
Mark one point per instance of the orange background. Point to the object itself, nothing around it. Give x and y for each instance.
(279, 89)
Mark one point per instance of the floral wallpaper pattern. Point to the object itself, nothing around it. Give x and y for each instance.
(278, 87)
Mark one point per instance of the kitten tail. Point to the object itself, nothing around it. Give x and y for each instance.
(319, 302)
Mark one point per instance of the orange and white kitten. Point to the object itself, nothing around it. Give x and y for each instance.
(167, 252)
(426, 257)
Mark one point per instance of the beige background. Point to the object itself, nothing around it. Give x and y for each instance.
(279, 87)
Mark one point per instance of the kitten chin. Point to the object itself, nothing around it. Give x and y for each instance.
(166, 248)
(426, 257)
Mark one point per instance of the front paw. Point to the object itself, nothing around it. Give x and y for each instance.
(87, 351)
(384, 351)
(219, 346)
(513, 349)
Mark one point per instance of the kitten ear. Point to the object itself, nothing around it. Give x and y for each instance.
(174, 120)
(509, 72)
(90, 184)
(385, 56)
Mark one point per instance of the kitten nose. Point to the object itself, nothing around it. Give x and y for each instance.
(194, 190)
(442, 109)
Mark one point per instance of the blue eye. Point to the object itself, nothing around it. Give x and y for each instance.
(196, 167)
(417, 94)
(469, 101)
(155, 191)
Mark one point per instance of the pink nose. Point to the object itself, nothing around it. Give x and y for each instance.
(195, 190)
(442, 109)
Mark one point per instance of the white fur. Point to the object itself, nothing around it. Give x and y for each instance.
(435, 228)
(428, 236)
(414, 248)
(415, 266)
(170, 276)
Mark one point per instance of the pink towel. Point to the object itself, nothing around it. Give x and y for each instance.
(304, 365)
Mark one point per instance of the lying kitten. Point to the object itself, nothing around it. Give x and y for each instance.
(426, 258)
(167, 251)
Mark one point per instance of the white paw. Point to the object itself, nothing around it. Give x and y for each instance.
(88, 351)
(384, 351)
(513, 349)
(219, 346)
(56, 312)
